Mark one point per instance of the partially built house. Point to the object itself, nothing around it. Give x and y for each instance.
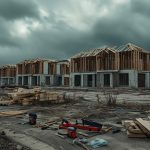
(8, 75)
(35, 72)
(62, 73)
(124, 66)
(83, 69)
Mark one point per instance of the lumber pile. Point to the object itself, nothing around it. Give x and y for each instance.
(5, 101)
(36, 95)
(138, 128)
(25, 96)
(52, 97)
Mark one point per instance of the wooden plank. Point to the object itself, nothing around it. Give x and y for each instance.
(133, 128)
(144, 126)
(12, 113)
(144, 123)
(132, 135)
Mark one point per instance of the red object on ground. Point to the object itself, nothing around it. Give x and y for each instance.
(67, 124)
(72, 132)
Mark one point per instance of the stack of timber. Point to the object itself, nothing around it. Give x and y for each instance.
(52, 97)
(36, 95)
(25, 96)
(5, 101)
(58, 97)
(138, 128)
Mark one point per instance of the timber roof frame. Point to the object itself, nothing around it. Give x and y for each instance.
(28, 61)
(8, 66)
(115, 49)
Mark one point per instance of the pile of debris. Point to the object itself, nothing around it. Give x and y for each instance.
(138, 128)
(36, 95)
(82, 133)
(5, 100)
(25, 96)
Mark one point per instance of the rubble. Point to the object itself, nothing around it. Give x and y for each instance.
(37, 95)
(138, 128)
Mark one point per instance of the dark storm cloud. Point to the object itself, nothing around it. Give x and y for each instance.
(13, 9)
(141, 7)
(126, 25)
(59, 29)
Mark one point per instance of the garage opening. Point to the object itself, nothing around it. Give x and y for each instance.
(141, 80)
(59, 81)
(25, 80)
(89, 82)
(107, 80)
(34, 81)
(11, 81)
(19, 80)
(124, 79)
(77, 80)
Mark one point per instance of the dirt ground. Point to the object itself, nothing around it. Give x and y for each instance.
(87, 107)
(8, 144)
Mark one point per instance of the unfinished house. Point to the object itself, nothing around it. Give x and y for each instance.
(134, 66)
(34, 72)
(62, 73)
(83, 69)
(125, 66)
(7, 75)
(107, 66)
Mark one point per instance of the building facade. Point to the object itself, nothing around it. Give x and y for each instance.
(8, 75)
(62, 73)
(34, 72)
(125, 66)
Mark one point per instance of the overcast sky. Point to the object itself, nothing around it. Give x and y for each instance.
(58, 29)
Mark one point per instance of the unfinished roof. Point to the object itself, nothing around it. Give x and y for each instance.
(8, 66)
(130, 47)
(36, 60)
(94, 52)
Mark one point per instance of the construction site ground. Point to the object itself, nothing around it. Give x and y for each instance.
(131, 104)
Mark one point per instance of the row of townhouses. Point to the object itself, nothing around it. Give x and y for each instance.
(124, 66)
(36, 72)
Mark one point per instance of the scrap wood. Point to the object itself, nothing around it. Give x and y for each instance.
(84, 134)
(8, 102)
(47, 125)
(12, 113)
(105, 130)
(126, 123)
(133, 135)
(133, 128)
(144, 126)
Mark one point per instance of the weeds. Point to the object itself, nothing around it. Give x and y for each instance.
(111, 99)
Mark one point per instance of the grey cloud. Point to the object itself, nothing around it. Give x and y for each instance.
(141, 7)
(15, 9)
(5, 37)
(55, 38)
